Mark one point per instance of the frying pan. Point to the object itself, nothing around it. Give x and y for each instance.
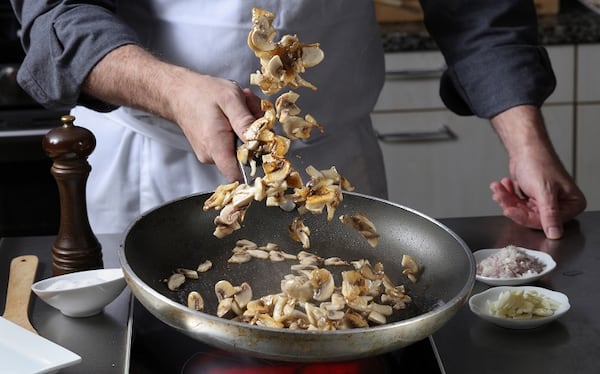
(179, 234)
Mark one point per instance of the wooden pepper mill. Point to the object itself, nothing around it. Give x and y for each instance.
(76, 247)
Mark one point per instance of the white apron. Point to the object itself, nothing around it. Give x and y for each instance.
(141, 161)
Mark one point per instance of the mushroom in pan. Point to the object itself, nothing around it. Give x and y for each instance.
(299, 232)
(195, 301)
(363, 225)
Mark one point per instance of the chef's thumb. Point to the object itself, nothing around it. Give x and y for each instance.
(550, 218)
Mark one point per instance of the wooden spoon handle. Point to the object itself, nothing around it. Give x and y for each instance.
(20, 279)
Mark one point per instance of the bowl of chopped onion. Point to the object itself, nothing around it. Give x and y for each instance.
(512, 265)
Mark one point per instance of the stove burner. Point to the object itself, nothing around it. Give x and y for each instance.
(157, 348)
(220, 362)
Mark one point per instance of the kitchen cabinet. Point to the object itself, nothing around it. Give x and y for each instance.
(440, 163)
(588, 123)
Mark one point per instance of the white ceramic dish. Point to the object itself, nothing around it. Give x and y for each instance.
(83, 293)
(479, 305)
(22, 351)
(543, 257)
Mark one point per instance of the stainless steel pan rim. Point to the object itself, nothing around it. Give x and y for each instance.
(300, 345)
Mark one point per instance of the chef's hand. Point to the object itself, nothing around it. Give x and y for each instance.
(540, 193)
(212, 112)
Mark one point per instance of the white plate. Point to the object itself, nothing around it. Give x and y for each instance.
(479, 305)
(22, 351)
(543, 257)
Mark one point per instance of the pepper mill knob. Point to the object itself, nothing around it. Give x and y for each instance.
(76, 247)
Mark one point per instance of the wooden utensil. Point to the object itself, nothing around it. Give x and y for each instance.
(20, 278)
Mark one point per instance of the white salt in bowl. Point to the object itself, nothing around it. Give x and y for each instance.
(83, 293)
(543, 257)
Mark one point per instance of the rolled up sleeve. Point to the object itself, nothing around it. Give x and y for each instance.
(63, 42)
(494, 59)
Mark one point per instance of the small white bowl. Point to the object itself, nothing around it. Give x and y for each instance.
(479, 305)
(83, 293)
(543, 257)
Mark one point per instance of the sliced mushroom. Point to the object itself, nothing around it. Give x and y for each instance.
(224, 306)
(246, 244)
(195, 301)
(204, 266)
(312, 55)
(376, 317)
(299, 232)
(220, 197)
(355, 319)
(175, 281)
(188, 273)
(258, 253)
(411, 268)
(224, 289)
(244, 295)
(239, 258)
(297, 287)
(363, 225)
(334, 261)
(296, 127)
(323, 284)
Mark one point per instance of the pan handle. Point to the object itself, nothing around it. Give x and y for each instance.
(443, 134)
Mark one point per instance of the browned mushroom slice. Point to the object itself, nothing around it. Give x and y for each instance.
(363, 225)
(221, 197)
(355, 319)
(227, 221)
(262, 33)
(276, 169)
(296, 127)
(281, 62)
(411, 268)
(299, 232)
(285, 105)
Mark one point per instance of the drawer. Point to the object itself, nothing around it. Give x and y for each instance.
(588, 78)
(563, 63)
(441, 164)
(412, 81)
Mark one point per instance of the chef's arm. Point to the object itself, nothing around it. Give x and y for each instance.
(207, 109)
(63, 41)
(492, 52)
(498, 70)
(540, 192)
(80, 53)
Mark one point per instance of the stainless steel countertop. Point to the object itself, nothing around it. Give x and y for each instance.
(103, 340)
(465, 344)
(571, 344)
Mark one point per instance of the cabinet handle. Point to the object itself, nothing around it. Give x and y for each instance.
(397, 75)
(444, 133)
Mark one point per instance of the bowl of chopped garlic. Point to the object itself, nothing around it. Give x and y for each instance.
(523, 307)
